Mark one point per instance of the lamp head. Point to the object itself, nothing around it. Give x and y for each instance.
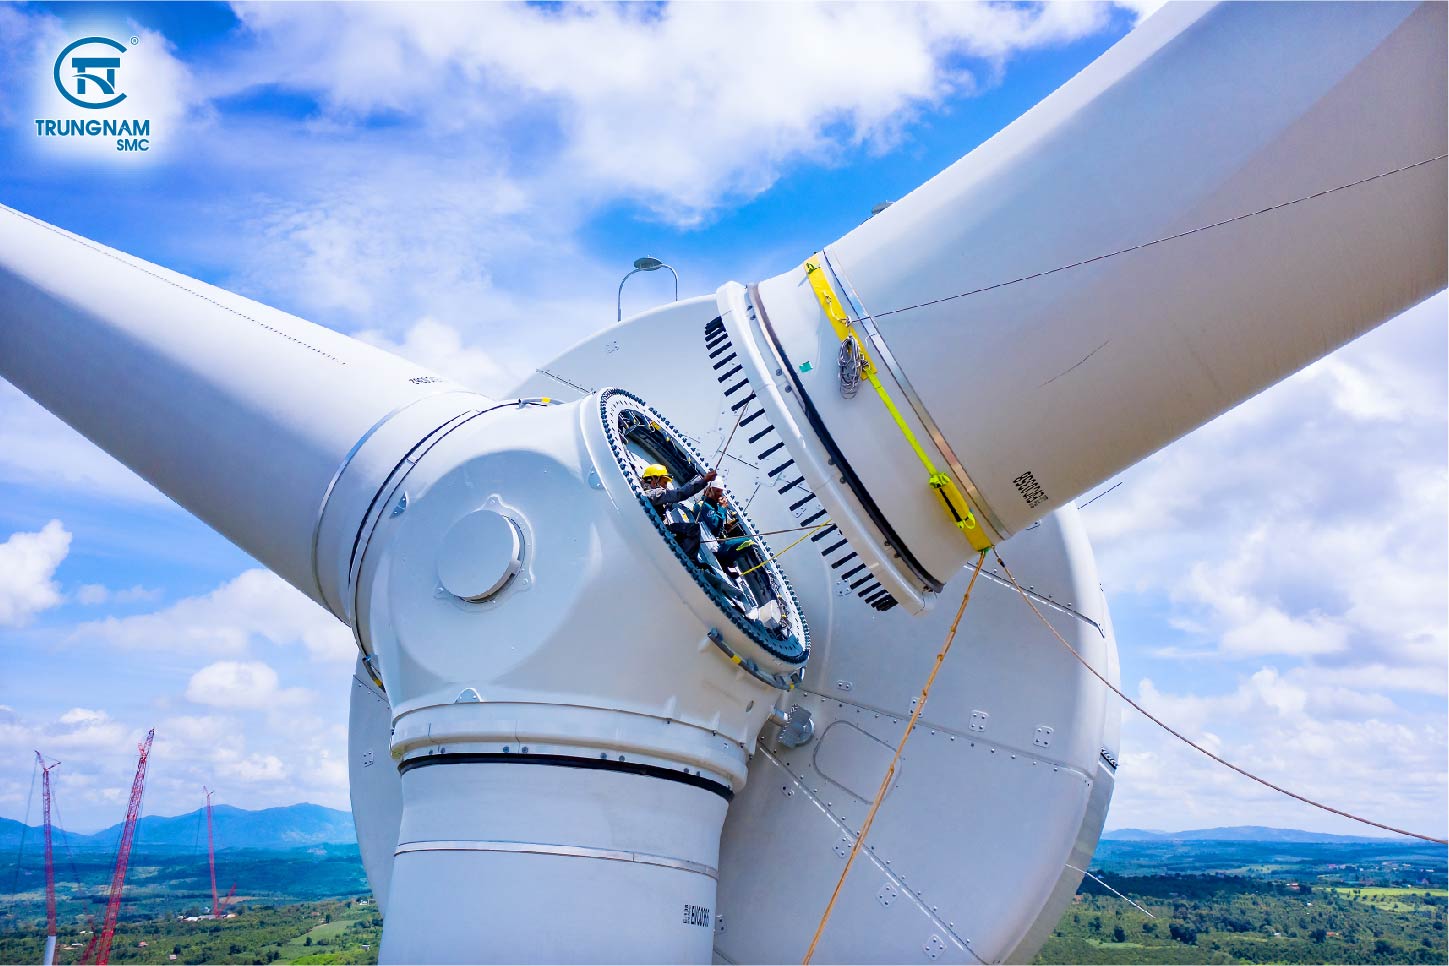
(648, 263)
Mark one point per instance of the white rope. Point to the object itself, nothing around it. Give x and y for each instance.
(1192, 744)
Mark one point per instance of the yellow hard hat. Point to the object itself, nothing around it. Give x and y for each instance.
(655, 469)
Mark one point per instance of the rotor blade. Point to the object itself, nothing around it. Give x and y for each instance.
(1226, 195)
(244, 415)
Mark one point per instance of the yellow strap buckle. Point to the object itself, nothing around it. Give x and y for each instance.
(955, 503)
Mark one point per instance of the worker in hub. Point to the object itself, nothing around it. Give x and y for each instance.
(722, 524)
(725, 541)
(682, 521)
(667, 498)
(670, 502)
(714, 519)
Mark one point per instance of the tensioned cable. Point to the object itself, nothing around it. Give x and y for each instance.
(1188, 741)
(172, 282)
(724, 450)
(885, 783)
(1104, 885)
(771, 533)
(773, 558)
(1083, 506)
(59, 826)
(1155, 241)
(24, 827)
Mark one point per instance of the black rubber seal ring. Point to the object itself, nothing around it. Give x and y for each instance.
(569, 761)
(841, 463)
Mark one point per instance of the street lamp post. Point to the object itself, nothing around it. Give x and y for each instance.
(645, 264)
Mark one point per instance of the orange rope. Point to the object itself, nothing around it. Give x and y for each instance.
(724, 450)
(1188, 741)
(891, 771)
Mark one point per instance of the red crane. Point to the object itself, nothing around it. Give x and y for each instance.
(211, 855)
(45, 770)
(101, 943)
(216, 905)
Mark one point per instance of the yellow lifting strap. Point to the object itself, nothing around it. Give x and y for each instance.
(945, 487)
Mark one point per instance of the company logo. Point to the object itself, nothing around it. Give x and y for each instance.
(85, 72)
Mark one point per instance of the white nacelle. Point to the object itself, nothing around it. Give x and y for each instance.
(565, 710)
(497, 564)
(511, 591)
(1004, 787)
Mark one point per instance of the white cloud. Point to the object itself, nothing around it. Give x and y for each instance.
(680, 107)
(242, 684)
(1297, 550)
(38, 449)
(234, 684)
(255, 605)
(81, 733)
(84, 716)
(1307, 520)
(27, 568)
(439, 347)
(1143, 8)
(249, 768)
(249, 757)
(1344, 748)
(94, 594)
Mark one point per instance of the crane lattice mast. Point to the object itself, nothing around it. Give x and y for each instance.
(102, 943)
(211, 855)
(45, 770)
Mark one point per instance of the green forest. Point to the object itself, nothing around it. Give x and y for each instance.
(1145, 902)
(337, 931)
(1235, 919)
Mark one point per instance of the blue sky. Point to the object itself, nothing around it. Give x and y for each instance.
(465, 185)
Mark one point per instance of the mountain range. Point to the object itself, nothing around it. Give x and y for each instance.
(287, 827)
(304, 825)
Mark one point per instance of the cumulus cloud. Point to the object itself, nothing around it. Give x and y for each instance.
(241, 684)
(680, 107)
(1295, 551)
(440, 347)
(1344, 747)
(27, 568)
(38, 449)
(454, 155)
(257, 605)
(95, 594)
(248, 756)
(1301, 523)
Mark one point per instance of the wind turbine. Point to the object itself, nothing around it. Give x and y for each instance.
(567, 742)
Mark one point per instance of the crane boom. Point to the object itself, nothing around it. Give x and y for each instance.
(45, 771)
(211, 854)
(225, 901)
(123, 854)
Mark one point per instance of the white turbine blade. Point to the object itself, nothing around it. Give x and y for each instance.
(1065, 367)
(242, 414)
